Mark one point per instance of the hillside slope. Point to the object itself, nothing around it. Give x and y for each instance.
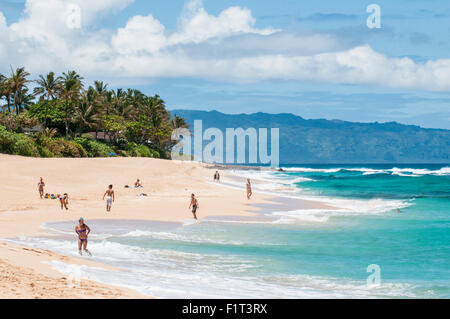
(334, 141)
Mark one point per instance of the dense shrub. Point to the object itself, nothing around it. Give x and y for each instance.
(19, 122)
(51, 145)
(72, 149)
(7, 141)
(59, 147)
(144, 151)
(17, 144)
(87, 136)
(25, 146)
(44, 152)
(138, 150)
(122, 153)
(94, 148)
(44, 145)
(155, 154)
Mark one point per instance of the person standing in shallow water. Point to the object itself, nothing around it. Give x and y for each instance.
(109, 194)
(82, 231)
(249, 188)
(41, 186)
(194, 205)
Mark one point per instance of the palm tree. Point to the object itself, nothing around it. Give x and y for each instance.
(3, 88)
(24, 99)
(70, 92)
(87, 113)
(100, 87)
(49, 132)
(73, 75)
(178, 122)
(48, 88)
(158, 117)
(157, 108)
(122, 106)
(6, 92)
(18, 83)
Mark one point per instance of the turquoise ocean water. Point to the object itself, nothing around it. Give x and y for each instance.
(395, 217)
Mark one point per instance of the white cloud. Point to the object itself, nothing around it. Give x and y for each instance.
(141, 34)
(224, 47)
(196, 25)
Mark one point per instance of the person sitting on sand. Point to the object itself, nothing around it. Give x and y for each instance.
(249, 188)
(194, 205)
(138, 184)
(82, 231)
(41, 186)
(109, 194)
(64, 200)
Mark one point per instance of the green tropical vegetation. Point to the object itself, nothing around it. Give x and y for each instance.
(59, 116)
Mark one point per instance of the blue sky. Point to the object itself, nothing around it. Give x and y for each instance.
(316, 59)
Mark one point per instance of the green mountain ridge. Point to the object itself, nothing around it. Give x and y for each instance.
(337, 141)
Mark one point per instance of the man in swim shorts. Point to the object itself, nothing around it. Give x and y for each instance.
(109, 194)
(194, 205)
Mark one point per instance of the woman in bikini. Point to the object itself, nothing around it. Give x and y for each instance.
(41, 186)
(82, 231)
(64, 200)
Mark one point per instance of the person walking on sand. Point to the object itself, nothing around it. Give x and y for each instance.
(82, 231)
(194, 205)
(216, 176)
(249, 188)
(41, 186)
(64, 200)
(109, 194)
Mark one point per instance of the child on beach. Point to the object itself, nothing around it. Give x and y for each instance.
(109, 194)
(249, 188)
(41, 186)
(194, 205)
(82, 231)
(64, 200)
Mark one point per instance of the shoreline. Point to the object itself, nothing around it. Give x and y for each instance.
(168, 185)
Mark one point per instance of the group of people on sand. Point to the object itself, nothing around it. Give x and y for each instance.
(63, 199)
(83, 230)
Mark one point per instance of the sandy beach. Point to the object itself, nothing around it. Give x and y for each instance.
(168, 185)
